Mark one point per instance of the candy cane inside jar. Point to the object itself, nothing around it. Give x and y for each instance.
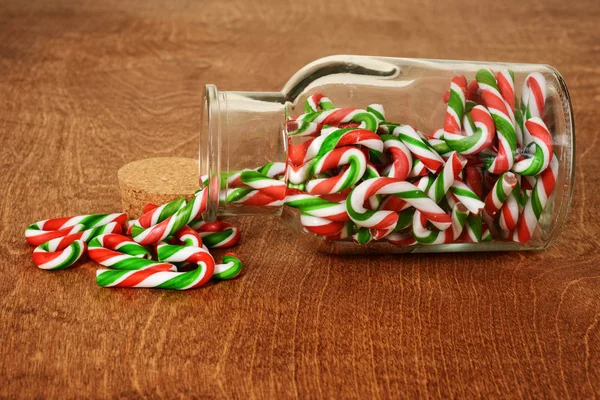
(356, 136)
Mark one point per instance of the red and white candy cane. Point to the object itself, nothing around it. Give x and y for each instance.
(42, 231)
(499, 193)
(312, 123)
(334, 137)
(533, 100)
(419, 147)
(426, 236)
(446, 177)
(509, 212)
(121, 253)
(536, 203)
(62, 252)
(541, 142)
(506, 86)
(318, 102)
(402, 161)
(456, 106)
(480, 129)
(382, 219)
(217, 234)
(503, 119)
(464, 194)
(354, 158)
(249, 197)
(321, 226)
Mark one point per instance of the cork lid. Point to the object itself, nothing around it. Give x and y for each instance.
(157, 181)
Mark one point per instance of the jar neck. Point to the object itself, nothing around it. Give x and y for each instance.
(242, 131)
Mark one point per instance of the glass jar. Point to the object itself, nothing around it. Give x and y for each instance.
(353, 152)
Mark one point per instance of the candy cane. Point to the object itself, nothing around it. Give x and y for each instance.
(500, 111)
(317, 102)
(499, 193)
(320, 226)
(427, 236)
(312, 123)
(506, 87)
(229, 269)
(509, 212)
(304, 152)
(401, 158)
(354, 158)
(316, 206)
(62, 252)
(444, 180)
(465, 195)
(419, 147)
(42, 231)
(172, 224)
(533, 100)
(456, 106)
(536, 203)
(249, 197)
(121, 253)
(217, 234)
(381, 219)
(482, 136)
(274, 188)
(542, 141)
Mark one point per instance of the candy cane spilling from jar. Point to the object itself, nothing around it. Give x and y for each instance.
(62, 252)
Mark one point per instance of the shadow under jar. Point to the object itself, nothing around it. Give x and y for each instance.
(362, 154)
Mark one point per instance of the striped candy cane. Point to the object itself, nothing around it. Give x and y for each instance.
(304, 152)
(419, 147)
(159, 232)
(424, 235)
(401, 158)
(121, 253)
(481, 124)
(317, 102)
(499, 193)
(352, 157)
(381, 219)
(312, 123)
(42, 231)
(536, 203)
(317, 206)
(533, 100)
(217, 234)
(507, 140)
(456, 106)
(541, 140)
(506, 87)
(465, 195)
(62, 252)
(445, 179)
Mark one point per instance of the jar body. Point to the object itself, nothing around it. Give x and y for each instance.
(246, 131)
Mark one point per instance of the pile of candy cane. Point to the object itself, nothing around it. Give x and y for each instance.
(486, 175)
(174, 232)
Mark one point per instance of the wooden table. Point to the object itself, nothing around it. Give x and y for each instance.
(87, 86)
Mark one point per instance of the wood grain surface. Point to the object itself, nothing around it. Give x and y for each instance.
(88, 86)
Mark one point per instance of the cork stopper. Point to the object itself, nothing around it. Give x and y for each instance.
(157, 181)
